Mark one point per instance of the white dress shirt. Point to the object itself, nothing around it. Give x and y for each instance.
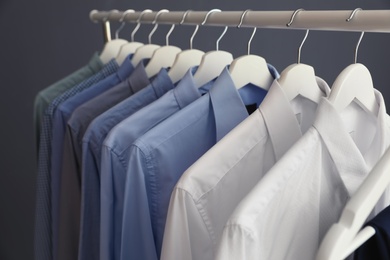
(288, 212)
(208, 192)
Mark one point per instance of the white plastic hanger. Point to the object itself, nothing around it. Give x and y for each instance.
(354, 83)
(163, 57)
(146, 51)
(112, 47)
(250, 68)
(132, 46)
(213, 62)
(344, 237)
(299, 79)
(185, 59)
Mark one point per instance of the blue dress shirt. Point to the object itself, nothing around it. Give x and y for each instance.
(115, 154)
(93, 140)
(43, 223)
(378, 246)
(70, 198)
(159, 157)
(60, 118)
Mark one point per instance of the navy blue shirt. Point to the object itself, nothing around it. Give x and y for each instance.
(43, 223)
(378, 246)
(60, 118)
(71, 166)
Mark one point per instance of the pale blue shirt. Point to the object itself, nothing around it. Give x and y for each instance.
(91, 150)
(115, 154)
(158, 158)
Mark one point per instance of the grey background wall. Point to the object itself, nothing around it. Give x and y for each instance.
(43, 41)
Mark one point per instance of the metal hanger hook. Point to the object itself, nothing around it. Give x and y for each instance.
(204, 21)
(139, 23)
(182, 21)
(253, 33)
(156, 24)
(304, 38)
(122, 21)
(361, 35)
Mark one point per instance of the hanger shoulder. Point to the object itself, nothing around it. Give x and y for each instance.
(354, 83)
(144, 52)
(183, 62)
(127, 49)
(111, 50)
(300, 79)
(211, 66)
(163, 57)
(250, 69)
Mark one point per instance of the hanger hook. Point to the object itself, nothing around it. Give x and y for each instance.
(304, 38)
(253, 33)
(123, 22)
(361, 35)
(224, 31)
(156, 24)
(182, 21)
(204, 21)
(139, 23)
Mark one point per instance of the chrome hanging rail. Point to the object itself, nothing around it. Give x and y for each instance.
(364, 20)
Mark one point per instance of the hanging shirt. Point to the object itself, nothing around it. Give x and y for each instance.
(60, 119)
(158, 158)
(71, 167)
(208, 192)
(46, 96)
(288, 212)
(91, 153)
(43, 223)
(377, 247)
(115, 153)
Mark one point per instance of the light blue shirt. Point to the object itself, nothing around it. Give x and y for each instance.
(60, 118)
(91, 153)
(158, 158)
(115, 157)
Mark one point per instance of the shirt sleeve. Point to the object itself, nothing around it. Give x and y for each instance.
(90, 204)
(111, 196)
(186, 235)
(69, 202)
(137, 235)
(237, 243)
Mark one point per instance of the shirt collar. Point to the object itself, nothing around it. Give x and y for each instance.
(227, 116)
(186, 92)
(125, 69)
(138, 78)
(109, 68)
(280, 120)
(351, 164)
(95, 63)
(162, 83)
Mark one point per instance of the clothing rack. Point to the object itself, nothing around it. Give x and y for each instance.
(364, 20)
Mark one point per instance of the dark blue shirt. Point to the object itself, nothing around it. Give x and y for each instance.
(70, 197)
(43, 223)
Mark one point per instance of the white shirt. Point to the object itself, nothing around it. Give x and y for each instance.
(208, 192)
(289, 211)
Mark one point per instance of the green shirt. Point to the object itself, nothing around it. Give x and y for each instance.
(47, 95)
